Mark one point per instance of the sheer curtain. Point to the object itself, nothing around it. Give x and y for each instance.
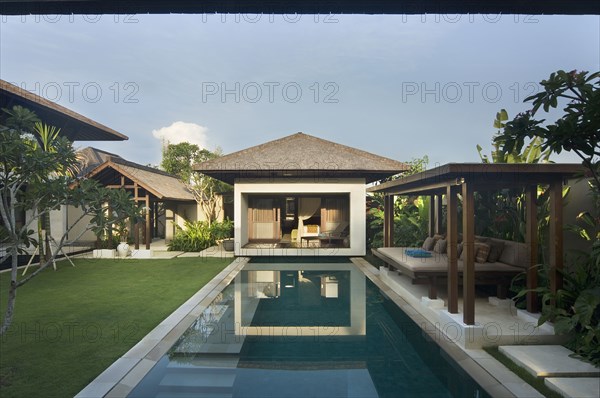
(306, 208)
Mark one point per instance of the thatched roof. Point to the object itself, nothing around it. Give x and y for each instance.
(159, 184)
(89, 158)
(301, 155)
(72, 125)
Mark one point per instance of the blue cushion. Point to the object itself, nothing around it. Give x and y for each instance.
(417, 253)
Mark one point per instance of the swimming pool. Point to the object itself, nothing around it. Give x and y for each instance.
(304, 330)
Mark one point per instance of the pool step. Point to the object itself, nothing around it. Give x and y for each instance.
(199, 377)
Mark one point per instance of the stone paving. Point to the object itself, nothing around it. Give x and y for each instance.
(566, 375)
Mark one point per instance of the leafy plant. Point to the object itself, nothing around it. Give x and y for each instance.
(410, 214)
(222, 230)
(575, 308)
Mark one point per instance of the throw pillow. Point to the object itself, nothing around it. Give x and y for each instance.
(475, 249)
(496, 248)
(428, 244)
(482, 251)
(440, 246)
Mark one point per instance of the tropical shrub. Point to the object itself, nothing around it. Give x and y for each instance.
(199, 235)
(222, 230)
(195, 237)
(410, 215)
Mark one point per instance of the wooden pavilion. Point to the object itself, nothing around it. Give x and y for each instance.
(465, 179)
(147, 185)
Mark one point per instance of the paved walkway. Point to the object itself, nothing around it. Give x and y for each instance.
(568, 376)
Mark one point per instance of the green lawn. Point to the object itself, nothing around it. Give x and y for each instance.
(71, 324)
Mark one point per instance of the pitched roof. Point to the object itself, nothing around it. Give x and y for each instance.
(89, 158)
(162, 185)
(72, 125)
(301, 155)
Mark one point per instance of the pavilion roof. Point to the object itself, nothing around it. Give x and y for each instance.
(72, 125)
(301, 155)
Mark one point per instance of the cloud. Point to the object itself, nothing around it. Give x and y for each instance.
(183, 132)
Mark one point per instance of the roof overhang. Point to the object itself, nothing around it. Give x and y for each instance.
(72, 125)
(316, 175)
(482, 176)
(574, 7)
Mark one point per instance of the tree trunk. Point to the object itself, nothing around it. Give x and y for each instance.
(12, 293)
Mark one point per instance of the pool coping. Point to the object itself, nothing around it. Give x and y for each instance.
(120, 378)
(490, 374)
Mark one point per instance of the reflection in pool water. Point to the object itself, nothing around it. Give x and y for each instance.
(304, 330)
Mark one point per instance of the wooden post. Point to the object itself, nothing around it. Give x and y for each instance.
(136, 236)
(110, 229)
(556, 235)
(388, 221)
(438, 214)
(431, 215)
(468, 209)
(531, 239)
(155, 207)
(147, 234)
(452, 239)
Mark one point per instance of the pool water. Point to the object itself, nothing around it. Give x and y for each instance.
(305, 330)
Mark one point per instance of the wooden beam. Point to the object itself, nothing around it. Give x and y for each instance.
(556, 235)
(114, 186)
(468, 209)
(147, 234)
(531, 238)
(431, 220)
(452, 239)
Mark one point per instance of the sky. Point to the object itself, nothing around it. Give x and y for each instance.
(398, 86)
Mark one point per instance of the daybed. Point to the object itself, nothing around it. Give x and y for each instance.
(434, 270)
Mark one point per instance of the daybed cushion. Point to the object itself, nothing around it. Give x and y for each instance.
(440, 246)
(429, 243)
(496, 248)
(438, 262)
(482, 250)
(514, 253)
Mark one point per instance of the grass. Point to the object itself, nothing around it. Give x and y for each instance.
(71, 324)
(535, 382)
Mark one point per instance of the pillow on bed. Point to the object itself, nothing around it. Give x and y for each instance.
(440, 246)
(459, 250)
(482, 251)
(428, 244)
(476, 248)
(419, 253)
(496, 248)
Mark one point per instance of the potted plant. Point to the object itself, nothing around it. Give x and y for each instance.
(224, 233)
(123, 247)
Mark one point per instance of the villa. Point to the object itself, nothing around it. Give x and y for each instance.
(300, 195)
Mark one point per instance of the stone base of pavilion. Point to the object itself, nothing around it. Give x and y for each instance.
(497, 322)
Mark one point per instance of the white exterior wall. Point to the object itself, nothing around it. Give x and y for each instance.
(354, 187)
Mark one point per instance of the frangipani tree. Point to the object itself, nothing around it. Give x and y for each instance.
(35, 178)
